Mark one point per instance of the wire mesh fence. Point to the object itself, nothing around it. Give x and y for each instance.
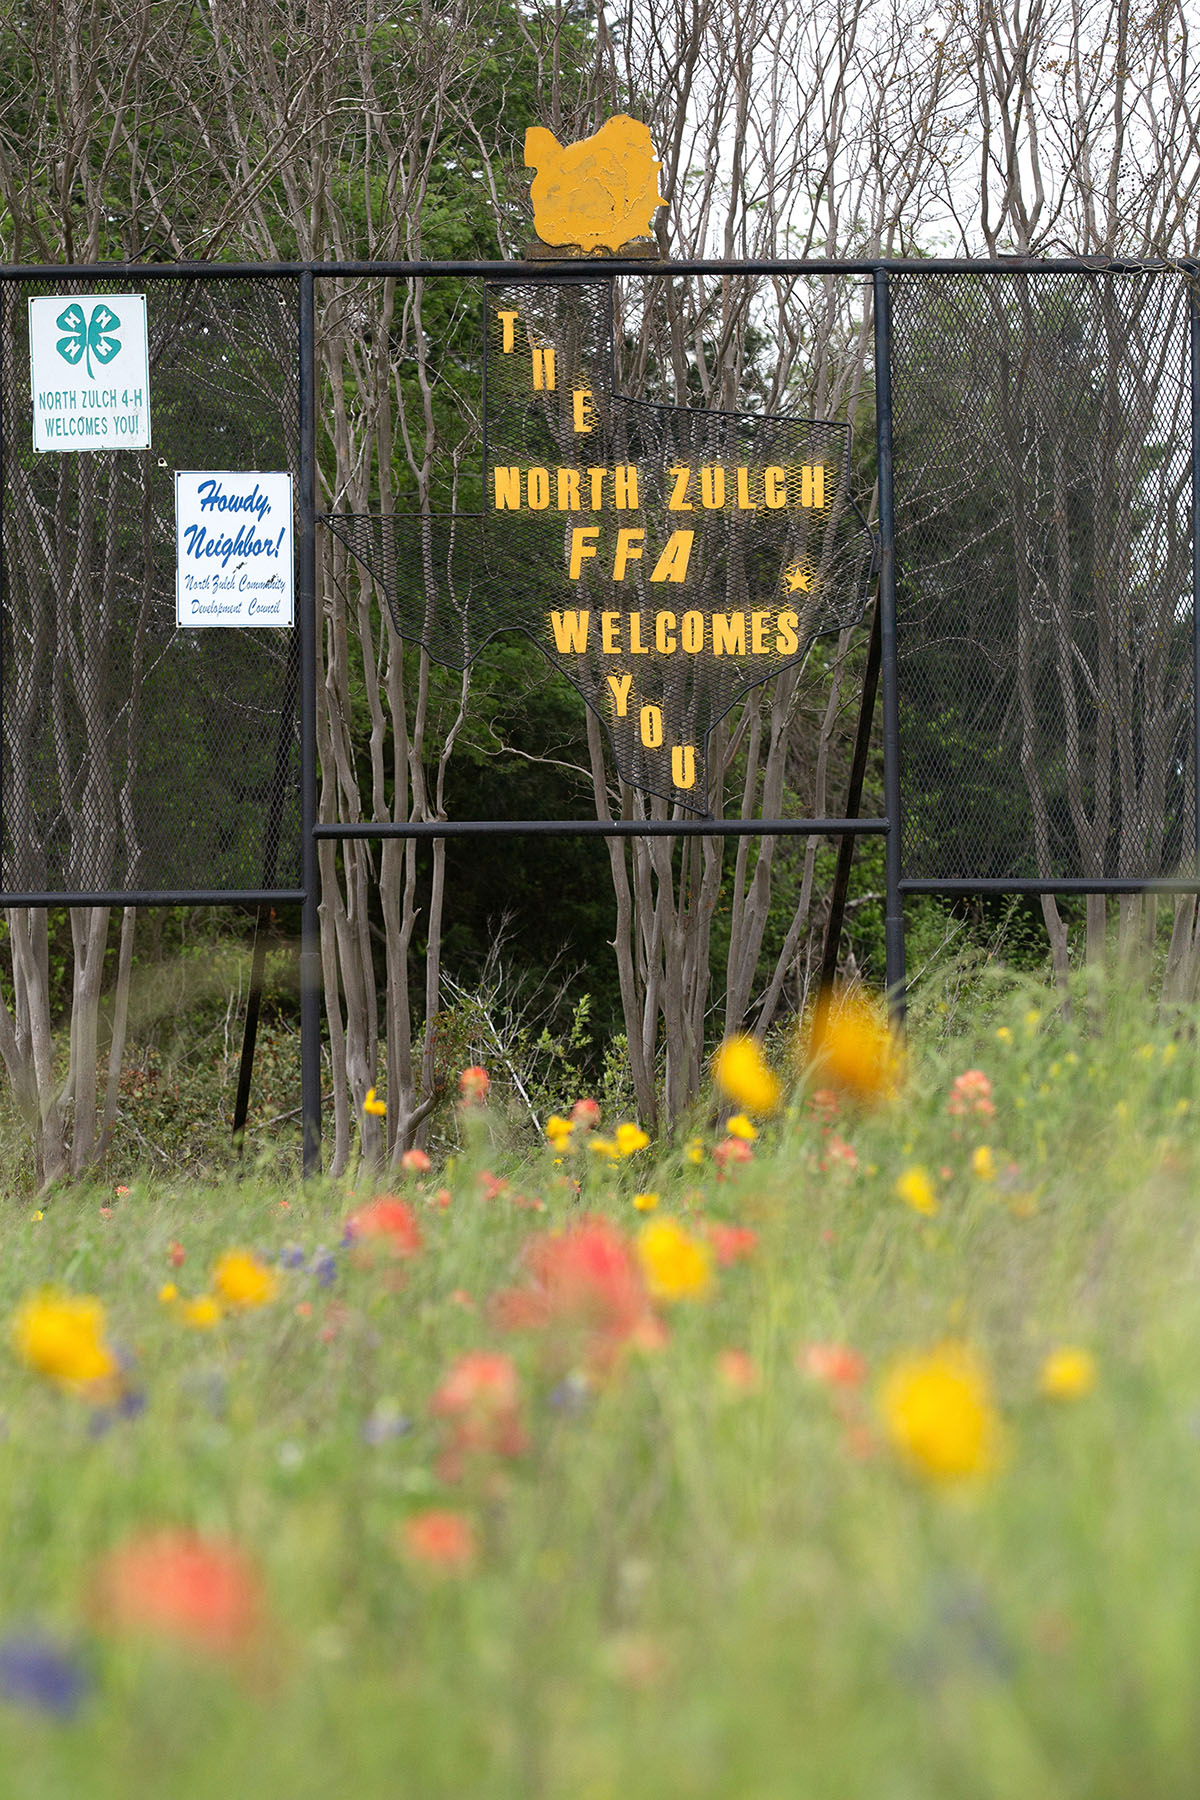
(1043, 491)
(1043, 486)
(139, 756)
(664, 558)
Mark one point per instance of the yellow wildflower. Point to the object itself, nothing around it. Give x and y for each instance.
(1004, 1034)
(742, 1073)
(938, 1413)
(168, 1293)
(694, 1150)
(1169, 1053)
(376, 1108)
(1067, 1374)
(558, 1132)
(38, 1216)
(984, 1163)
(1033, 1019)
(740, 1127)
(916, 1190)
(645, 1202)
(241, 1279)
(62, 1337)
(202, 1313)
(854, 1047)
(604, 1146)
(676, 1266)
(631, 1139)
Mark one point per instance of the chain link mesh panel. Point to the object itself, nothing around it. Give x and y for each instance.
(139, 757)
(777, 553)
(1043, 546)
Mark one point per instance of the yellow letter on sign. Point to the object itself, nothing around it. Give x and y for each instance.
(672, 565)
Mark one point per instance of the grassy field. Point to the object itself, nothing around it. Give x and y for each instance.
(862, 1464)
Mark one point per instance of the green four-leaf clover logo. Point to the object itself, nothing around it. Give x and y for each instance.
(86, 337)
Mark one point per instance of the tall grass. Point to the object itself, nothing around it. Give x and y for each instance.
(704, 1575)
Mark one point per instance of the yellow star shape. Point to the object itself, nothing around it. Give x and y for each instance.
(799, 580)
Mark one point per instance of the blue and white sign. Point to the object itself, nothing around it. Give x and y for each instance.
(89, 371)
(233, 548)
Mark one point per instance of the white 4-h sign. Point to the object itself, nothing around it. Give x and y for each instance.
(89, 371)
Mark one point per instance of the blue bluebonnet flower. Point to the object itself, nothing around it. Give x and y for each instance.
(962, 1631)
(572, 1396)
(324, 1267)
(130, 1403)
(292, 1256)
(386, 1422)
(122, 1401)
(36, 1672)
(209, 1389)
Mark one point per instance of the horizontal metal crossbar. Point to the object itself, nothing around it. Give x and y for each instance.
(606, 265)
(159, 897)
(1036, 884)
(447, 828)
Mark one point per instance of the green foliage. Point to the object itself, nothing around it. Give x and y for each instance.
(534, 1042)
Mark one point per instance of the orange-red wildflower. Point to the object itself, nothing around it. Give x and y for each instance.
(473, 1084)
(833, 1364)
(839, 1154)
(388, 1222)
(971, 1096)
(204, 1593)
(738, 1372)
(440, 1540)
(824, 1104)
(481, 1402)
(583, 1282)
(732, 1243)
(731, 1151)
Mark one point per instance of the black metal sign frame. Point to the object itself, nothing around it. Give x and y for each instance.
(883, 662)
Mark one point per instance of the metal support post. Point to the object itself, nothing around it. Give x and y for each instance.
(306, 597)
(274, 822)
(848, 844)
(1193, 284)
(894, 913)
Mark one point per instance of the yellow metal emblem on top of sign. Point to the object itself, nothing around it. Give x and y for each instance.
(596, 194)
